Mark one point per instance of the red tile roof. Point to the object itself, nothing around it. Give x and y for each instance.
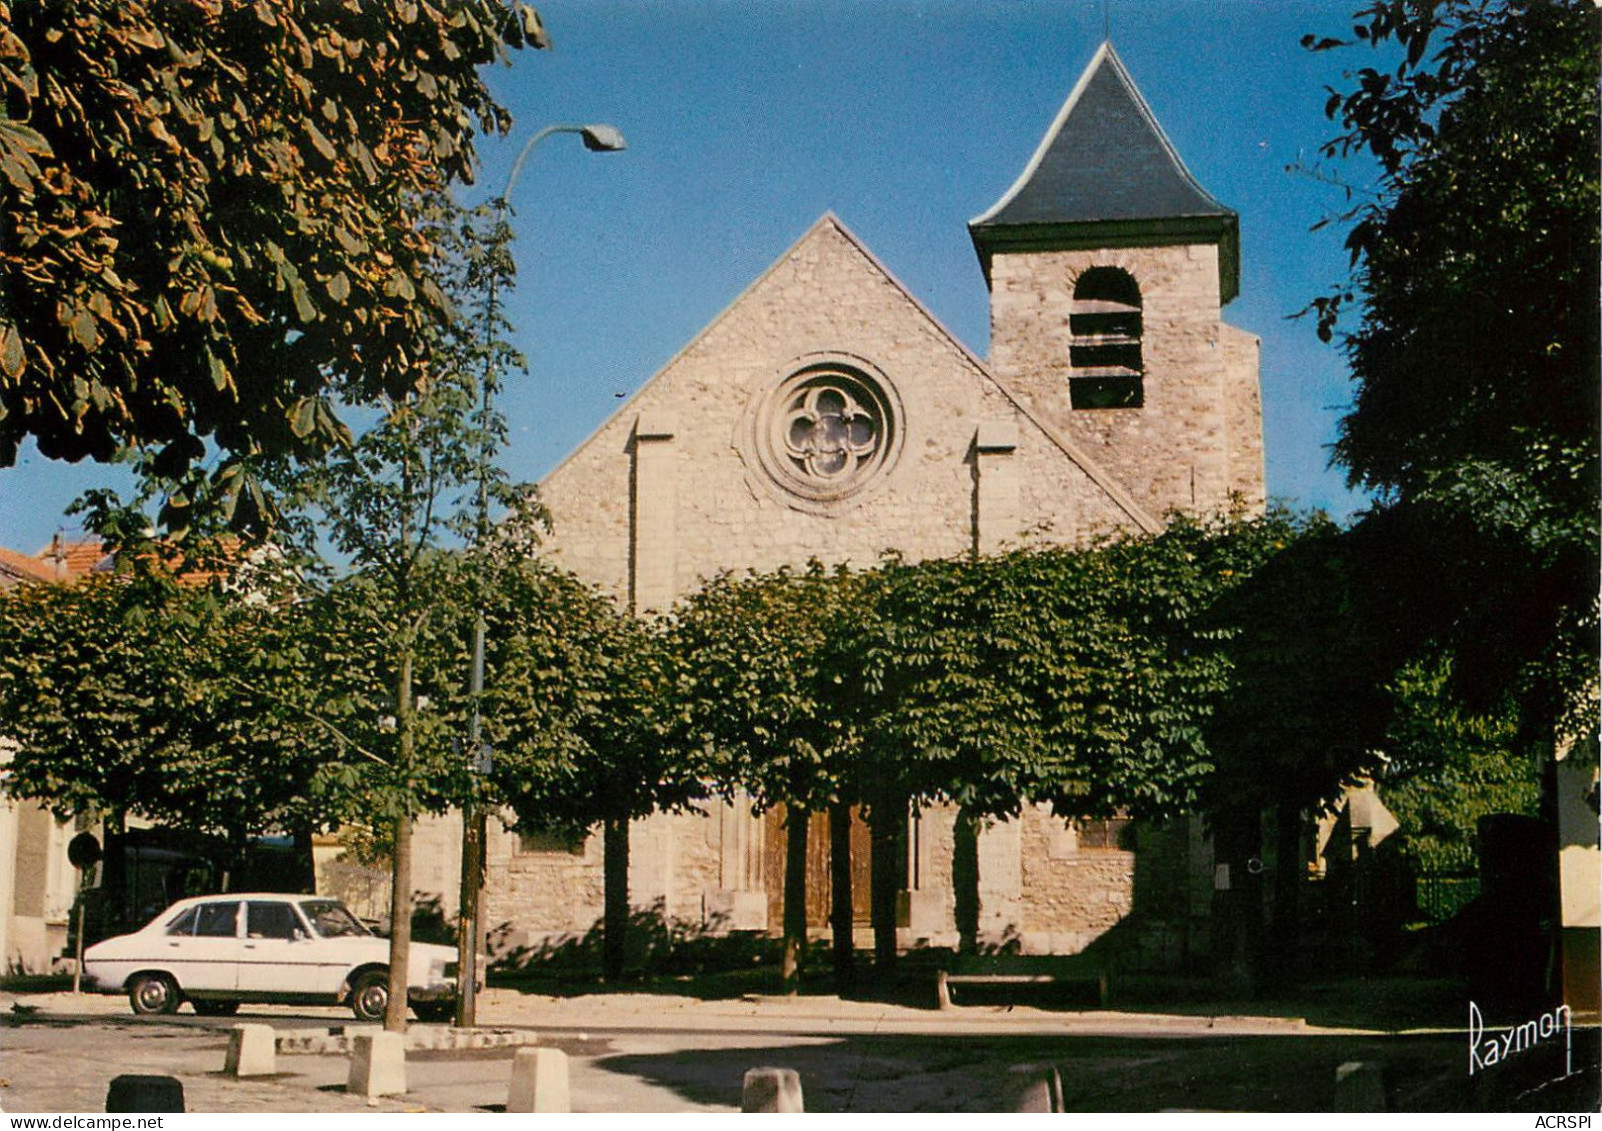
(24, 568)
(62, 560)
(65, 559)
(80, 556)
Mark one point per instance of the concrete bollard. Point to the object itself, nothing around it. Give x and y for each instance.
(539, 1082)
(1033, 1087)
(252, 1051)
(144, 1094)
(377, 1065)
(1359, 1086)
(769, 1090)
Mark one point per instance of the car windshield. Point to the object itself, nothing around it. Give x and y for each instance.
(330, 919)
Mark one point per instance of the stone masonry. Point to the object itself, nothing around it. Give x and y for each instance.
(825, 414)
(670, 491)
(1198, 437)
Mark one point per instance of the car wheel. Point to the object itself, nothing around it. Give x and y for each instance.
(216, 1008)
(434, 1012)
(153, 993)
(369, 997)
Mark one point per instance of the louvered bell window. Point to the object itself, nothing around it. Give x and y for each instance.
(1104, 356)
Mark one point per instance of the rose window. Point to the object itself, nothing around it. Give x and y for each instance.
(828, 434)
(825, 432)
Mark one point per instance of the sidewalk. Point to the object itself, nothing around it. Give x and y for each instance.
(627, 1052)
(641, 1052)
(812, 1014)
(825, 1015)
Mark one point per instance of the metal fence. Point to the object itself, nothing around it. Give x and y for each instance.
(1440, 895)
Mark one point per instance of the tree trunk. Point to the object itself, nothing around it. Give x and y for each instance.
(965, 880)
(795, 898)
(841, 910)
(614, 934)
(400, 878)
(113, 878)
(400, 925)
(887, 824)
(305, 859)
(237, 874)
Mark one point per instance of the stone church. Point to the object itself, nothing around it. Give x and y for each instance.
(827, 414)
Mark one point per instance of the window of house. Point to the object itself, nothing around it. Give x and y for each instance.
(1114, 833)
(1104, 356)
(542, 842)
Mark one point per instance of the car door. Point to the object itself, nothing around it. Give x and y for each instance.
(278, 955)
(340, 942)
(202, 951)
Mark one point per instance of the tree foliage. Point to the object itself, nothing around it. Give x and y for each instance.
(1310, 655)
(1446, 768)
(135, 696)
(1081, 678)
(393, 528)
(576, 706)
(764, 689)
(1476, 352)
(212, 227)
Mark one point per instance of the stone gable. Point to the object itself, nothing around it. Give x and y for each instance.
(674, 488)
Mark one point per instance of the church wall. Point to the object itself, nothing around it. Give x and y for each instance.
(675, 861)
(1058, 503)
(1076, 894)
(724, 513)
(1243, 408)
(1044, 891)
(540, 891)
(930, 915)
(669, 492)
(1175, 451)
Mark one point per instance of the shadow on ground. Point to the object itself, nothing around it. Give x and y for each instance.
(981, 1074)
(1387, 1004)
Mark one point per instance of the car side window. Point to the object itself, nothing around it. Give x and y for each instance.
(217, 920)
(271, 921)
(185, 923)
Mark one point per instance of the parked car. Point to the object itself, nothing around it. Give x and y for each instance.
(216, 951)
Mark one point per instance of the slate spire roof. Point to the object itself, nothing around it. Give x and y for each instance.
(1106, 175)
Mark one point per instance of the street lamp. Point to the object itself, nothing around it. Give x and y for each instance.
(598, 139)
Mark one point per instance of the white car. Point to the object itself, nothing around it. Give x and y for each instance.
(216, 951)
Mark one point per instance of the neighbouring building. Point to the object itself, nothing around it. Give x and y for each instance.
(37, 883)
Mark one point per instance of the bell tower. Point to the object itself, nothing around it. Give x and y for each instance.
(1108, 267)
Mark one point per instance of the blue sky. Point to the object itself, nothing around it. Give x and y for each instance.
(748, 119)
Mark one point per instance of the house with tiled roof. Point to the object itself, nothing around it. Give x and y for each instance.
(16, 569)
(37, 882)
(62, 560)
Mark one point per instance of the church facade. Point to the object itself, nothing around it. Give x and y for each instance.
(827, 414)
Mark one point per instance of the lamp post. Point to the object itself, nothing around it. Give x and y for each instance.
(599, 139)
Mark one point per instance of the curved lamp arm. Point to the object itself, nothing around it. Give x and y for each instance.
(598, 137)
